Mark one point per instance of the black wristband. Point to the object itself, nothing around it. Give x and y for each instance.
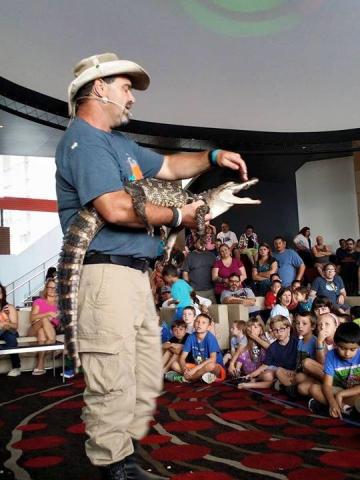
(175, 219)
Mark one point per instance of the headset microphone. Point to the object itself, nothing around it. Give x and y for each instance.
(106, 101)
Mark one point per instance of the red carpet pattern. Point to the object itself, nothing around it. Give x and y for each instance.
(199, 432)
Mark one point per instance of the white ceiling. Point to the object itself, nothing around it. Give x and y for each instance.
(270, 65)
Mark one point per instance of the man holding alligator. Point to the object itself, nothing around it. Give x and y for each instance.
(118, 333)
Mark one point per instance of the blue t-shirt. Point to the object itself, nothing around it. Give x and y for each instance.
(288, 261)
(180, 290)
(345, 373)
(331, 290)
(282, 355)
(166, 333)
(305, 350)
(91, 162)
(201, 350)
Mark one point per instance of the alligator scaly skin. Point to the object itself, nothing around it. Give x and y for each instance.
(87, 223)
(77, 238)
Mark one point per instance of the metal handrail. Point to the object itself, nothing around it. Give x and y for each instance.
(29, 293)
(34, 268)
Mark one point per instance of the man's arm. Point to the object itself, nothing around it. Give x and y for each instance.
(187, 165)
(247, 302)
(327, 388)
(117, 207)
(185, 275)
(300, 272)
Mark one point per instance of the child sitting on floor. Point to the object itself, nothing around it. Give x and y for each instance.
(249, 357)
(238, 331)
(281, 353)
(205, 350)
(305, 325)
(188, 316)
(340, 389)
(312, 369)
(173, 348)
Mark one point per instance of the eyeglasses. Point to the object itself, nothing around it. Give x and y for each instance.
(51, 288)
(279, 330)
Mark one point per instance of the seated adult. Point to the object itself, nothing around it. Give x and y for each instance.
(264, 267)
(44, 321)
(156, 280)
(321, 253)
(291, 267)
(227, 236)
(349, 264)
(210, 238)
(223, 268)
(8, 331)
(303, 245)
(248, 243)
(330, 286)
(236, 294)
(197, 268)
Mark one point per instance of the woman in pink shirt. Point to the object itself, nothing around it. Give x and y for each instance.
(44, 321)
(224, 267)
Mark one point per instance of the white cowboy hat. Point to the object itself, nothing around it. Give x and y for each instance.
(104, 65)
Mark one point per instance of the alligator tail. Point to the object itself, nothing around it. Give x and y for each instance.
(77, 238)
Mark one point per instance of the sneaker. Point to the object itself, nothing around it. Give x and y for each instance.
(318, 408)
(172, 376)
(15, 372)
(68, 373)
(209, 377)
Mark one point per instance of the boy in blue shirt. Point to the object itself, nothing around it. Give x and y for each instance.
(180, 290)
(206, 351)
(341, 384)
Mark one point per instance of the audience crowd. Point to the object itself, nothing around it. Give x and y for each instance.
(304, 340)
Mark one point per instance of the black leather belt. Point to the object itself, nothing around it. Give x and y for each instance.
(141, 264)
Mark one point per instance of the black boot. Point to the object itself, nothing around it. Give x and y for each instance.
(114, 471)
(127, 469)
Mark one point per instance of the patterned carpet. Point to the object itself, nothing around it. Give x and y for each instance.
(200, 432)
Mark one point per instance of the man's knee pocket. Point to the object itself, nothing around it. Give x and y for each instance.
(106, 373)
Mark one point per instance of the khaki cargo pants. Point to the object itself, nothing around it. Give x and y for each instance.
(119, 344)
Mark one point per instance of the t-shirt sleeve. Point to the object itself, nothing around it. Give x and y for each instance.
(150, 162)
(187, 345)
(315, 284)
(329, 366)
(213, 344)
(296, 259)
(340, 282)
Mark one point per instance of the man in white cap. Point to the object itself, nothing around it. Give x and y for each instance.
(118, 333)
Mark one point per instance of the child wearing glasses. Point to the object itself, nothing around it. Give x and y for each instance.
(281, 353)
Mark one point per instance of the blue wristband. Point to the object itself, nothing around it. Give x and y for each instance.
(213, 156)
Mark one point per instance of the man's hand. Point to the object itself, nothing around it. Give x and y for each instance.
(233, 161)
(188, 214)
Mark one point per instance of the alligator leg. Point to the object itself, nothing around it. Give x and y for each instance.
(139, 200)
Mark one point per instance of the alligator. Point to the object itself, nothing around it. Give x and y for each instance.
(87, 223)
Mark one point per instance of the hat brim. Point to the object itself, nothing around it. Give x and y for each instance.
(140, 79)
